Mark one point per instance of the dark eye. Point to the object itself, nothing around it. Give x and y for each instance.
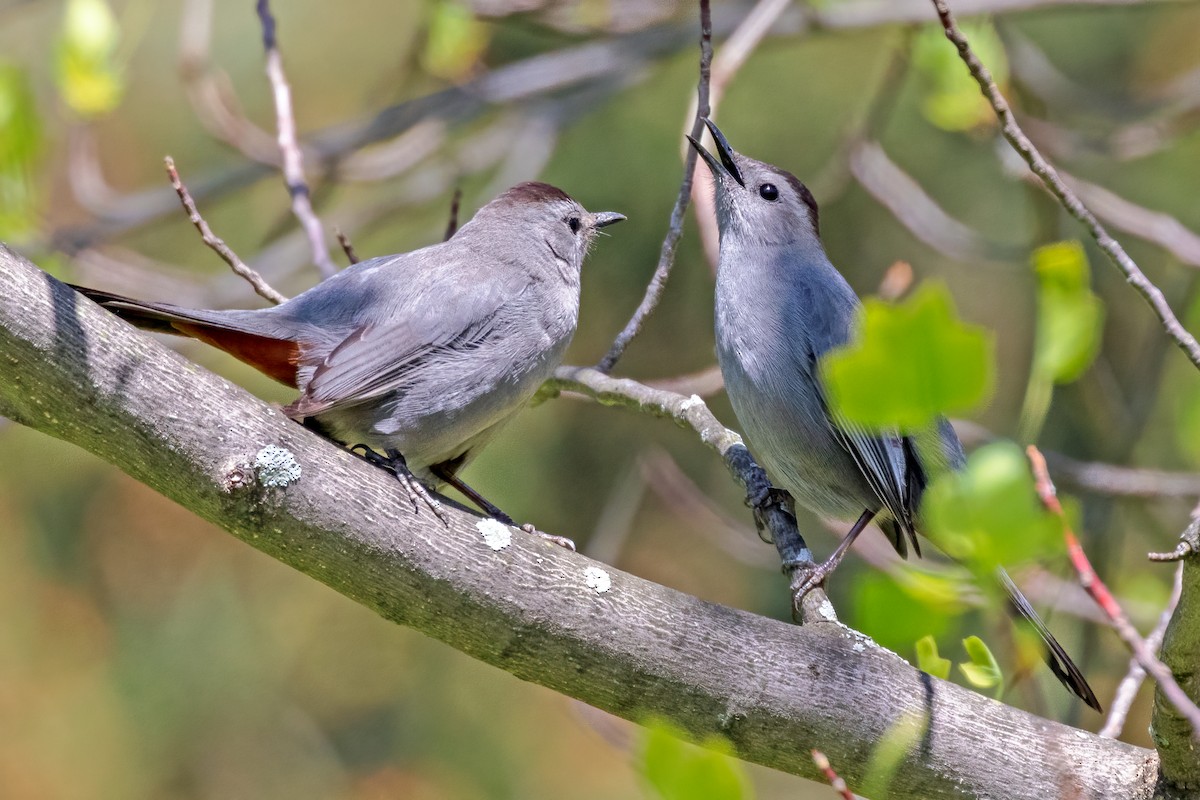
(573, 223)
(768, 192)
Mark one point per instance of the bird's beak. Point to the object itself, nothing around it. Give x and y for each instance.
(726, 164)
(605, 218)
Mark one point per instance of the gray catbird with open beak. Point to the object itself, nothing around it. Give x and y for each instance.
(780, 306)
(418, 358)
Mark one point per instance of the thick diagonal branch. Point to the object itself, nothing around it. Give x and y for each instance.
(626, 645)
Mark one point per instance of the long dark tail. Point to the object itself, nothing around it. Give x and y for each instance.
(1056, 657)
(231, 331)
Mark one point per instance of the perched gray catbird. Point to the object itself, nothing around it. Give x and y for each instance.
(780, 306)
(418, 358)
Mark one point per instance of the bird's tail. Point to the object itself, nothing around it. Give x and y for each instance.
(235, 332)
(1056, 657)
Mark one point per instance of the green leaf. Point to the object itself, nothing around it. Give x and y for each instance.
(895, 615)
(900, 740)
(89, 77)
(909, 363)
(1070, 316)
(676, 770)
(20, 146)
(981, 671)
(951, 99)
(989, 514)
(455, 41)
(928, 659)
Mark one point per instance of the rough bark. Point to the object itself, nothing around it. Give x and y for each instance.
(544, 614)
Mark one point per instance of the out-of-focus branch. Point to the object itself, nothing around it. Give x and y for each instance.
(1090, 581)
(835, 780)
(216, 243)
(705, 382)
(1042, 168)
(900, 194)
(289, 146)
(666, 257)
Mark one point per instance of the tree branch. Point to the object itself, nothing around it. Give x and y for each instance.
(629, 646)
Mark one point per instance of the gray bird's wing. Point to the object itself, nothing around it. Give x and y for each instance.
(388, 355)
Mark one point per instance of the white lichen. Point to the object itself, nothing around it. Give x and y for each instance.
(691, 402)
(597, 580)
(276, 467)
(496, 534)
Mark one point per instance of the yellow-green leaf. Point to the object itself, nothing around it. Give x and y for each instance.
(89, 78)
(1070, 316)
(928, 659)
(909, 363)
(455, 41)
(951, 99)
(676, 770)
(982, 671)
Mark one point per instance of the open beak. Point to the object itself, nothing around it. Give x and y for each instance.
(605, 218)
(726, 164)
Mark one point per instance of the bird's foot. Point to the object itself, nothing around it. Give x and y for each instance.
(394, 463)
(561, 541)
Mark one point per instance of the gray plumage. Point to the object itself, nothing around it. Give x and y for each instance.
(427, 353)
(780, 306)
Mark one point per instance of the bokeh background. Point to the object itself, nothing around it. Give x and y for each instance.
(146, 654)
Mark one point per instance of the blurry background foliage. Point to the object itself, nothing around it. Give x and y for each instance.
(144, 654)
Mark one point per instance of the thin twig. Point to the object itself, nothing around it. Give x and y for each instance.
(452, 224)
(261, 287)
(1099, 591)
(835, 780)
(1128, 688)
(666, 258)
(347, 246)
(1042, 168)
(725, 66)
(289, 147)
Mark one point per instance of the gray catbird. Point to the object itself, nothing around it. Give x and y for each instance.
(780, 306)
(418, 358)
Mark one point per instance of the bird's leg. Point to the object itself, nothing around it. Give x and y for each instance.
(394, 463)
(823, 570)
(445, 472)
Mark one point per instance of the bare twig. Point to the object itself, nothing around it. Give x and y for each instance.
(1099, 591)
(289, 147)
(835, 780)
(452, 223)
(347, 246)
(1128, 688)
(261, 287)
(1020, 142)
(666, 258)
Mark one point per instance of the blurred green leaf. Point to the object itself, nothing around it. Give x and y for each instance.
(928, 659)
(677, 770)
(900, 740)
(896, 616)
(929, 362)
(981, 671)
(455, 41)
(989, 514)
(1070, 315)
(89, 77)
(951, 98)
(20, 145)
